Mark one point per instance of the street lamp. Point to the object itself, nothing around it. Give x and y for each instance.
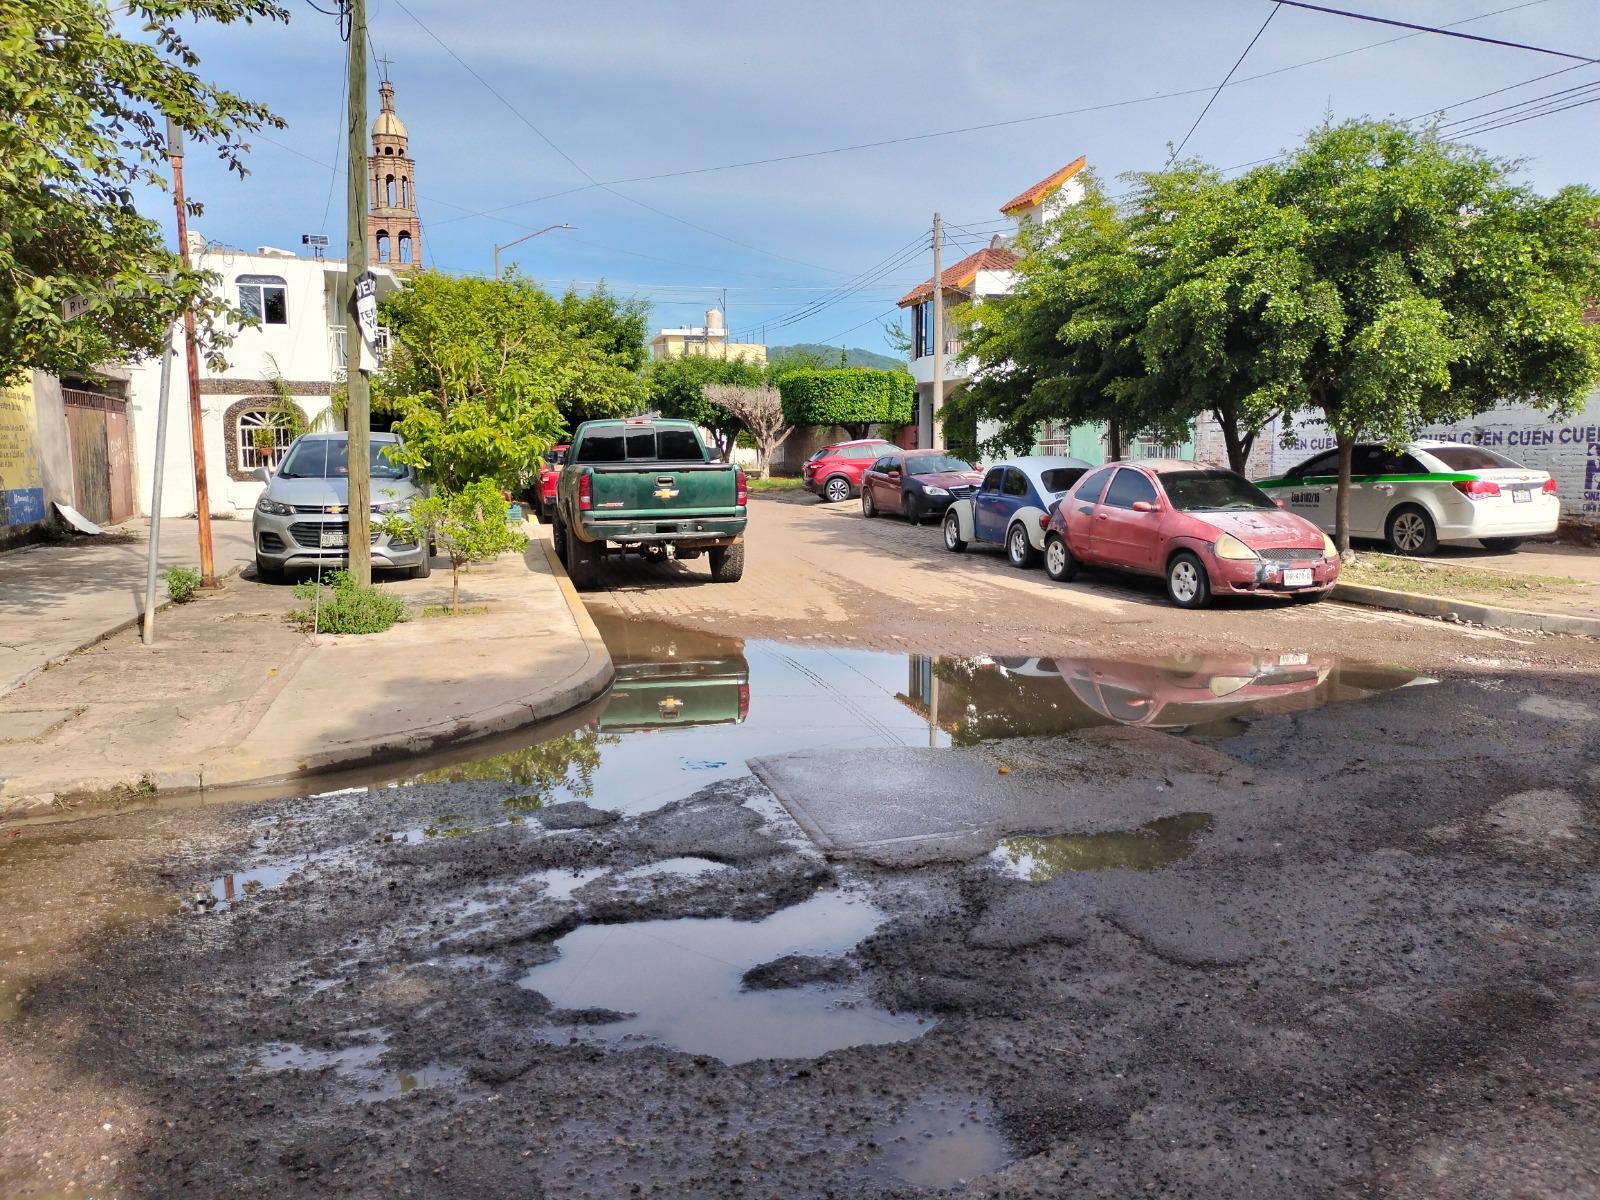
(520, 240)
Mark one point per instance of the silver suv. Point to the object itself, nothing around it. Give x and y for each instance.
(302, 519)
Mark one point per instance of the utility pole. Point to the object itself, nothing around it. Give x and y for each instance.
(358, 397)
(148, 632)
(938, 331)
(197, 429)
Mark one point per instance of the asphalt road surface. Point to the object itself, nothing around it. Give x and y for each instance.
(1006, 909)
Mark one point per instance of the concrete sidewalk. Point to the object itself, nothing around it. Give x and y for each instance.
(231, 694)
(57, 598)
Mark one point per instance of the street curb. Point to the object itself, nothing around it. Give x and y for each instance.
(578, 688)
(1479, 614)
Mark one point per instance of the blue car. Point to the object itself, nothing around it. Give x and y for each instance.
(1008, 506)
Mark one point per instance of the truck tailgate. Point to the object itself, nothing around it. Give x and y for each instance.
(650, 490)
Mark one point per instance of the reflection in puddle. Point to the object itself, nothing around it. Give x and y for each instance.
(1158, 844)
(943, 1141)
(695, 967)
(227, 890)
(354, 1066)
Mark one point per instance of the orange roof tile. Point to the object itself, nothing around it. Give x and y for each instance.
(1045, 186)
(990, 258)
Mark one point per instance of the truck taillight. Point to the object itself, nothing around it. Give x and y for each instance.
(744, 701)
(1475, 489)
(1549, 488)
(741, 489)
(585, 492)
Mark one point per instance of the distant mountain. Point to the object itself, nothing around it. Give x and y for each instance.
(813, 354)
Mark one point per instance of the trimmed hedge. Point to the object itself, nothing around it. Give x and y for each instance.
(852, 397)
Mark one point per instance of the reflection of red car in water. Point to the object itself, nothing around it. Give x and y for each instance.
(554, 459)
(1160, 695)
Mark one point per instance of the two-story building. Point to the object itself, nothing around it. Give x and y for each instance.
(299, 339)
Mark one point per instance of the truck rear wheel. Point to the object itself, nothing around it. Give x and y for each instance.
(558, 538)
(583, 562)
(727, 563)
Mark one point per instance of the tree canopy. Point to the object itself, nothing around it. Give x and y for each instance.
(486, 374)
(852, 397)
(83, 111)
(677, 388)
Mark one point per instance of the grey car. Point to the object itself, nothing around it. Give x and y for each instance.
(302, 519)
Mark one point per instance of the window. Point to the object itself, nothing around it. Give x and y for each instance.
(390, 193)
(1090, 489)
(864, 452)
(263, 436)
(1145, 446)
(383, 245)
(1128, 488)
(1322, 464)
(1379, 460)
(936, 464)
(264, 298)
(886, 464)
(1016, 482)
(1469, 458)
(678, 445)
(601, 446)
(1213, 491)
(991, 481)
(637, 443)
(1060, 479)
(405, 192)
(405, 247)
(388, 149)
(329, 458)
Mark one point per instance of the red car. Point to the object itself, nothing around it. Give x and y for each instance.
(554, 459)
(916, 483)
(1205, 530)
(834, 472)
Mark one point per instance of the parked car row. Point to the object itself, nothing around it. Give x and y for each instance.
(1205, 531)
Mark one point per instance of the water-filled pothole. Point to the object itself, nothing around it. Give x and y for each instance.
(354, 1066)
(943, 1141)
(694, 1000)
(1158, 844)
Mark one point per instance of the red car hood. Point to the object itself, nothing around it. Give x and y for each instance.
(1264, 529)
(952, 479)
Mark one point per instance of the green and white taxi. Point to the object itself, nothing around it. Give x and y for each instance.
(1428, 493)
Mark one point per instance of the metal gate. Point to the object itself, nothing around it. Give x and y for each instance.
(102, 470)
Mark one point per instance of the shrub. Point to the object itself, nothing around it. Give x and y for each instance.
(853, 398)
(468, 526)
(341, 605)
(182, 583)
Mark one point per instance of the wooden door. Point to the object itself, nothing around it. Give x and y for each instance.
(91, 475)
(119, 461)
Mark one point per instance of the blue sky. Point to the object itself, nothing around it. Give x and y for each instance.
(628, 89)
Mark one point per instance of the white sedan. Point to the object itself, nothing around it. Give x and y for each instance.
(1428, 493)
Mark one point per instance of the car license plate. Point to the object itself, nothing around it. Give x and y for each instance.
(1293, 660)
(1297, 577)
(334, 539)
(1521, 495)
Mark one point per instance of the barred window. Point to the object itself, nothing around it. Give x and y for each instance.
(263, 437)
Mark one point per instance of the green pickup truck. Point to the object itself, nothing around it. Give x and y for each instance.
(646, 486)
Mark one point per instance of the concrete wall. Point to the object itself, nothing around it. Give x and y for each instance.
(806, 440)
(1569, 450)
(35, 456)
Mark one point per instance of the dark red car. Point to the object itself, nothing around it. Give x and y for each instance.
(554, 459)
(835, 471)
(916, 483)
(1205, 530)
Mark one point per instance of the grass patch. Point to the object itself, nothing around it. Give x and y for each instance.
(340, 605)
(444, 610)
(778, 483)
(182, 583)
(1440, 579)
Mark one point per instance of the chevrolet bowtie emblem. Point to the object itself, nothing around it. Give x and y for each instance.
(336, 508)
(666, 493)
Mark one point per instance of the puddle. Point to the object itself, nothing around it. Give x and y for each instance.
(681, 868)
(694, 1000)
(354, 1066)
(227, 890)
(1158, 844)
(943, 1141)
(560, 883)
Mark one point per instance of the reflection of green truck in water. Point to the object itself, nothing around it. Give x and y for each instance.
(672, 677)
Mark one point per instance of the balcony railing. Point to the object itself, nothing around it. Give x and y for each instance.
(338, 348)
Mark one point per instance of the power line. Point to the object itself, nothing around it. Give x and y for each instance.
(1518, 120)
(871, 275)
(833, 337)
(1441, 31)
(1237, 64)
(577, 166)
(880, 143)
(1525, 104)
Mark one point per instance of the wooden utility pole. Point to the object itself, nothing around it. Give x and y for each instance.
(358, 397)
(938, 331)
(197, 429)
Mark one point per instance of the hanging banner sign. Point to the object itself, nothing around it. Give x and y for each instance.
(365, 298)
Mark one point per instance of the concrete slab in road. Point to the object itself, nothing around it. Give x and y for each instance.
(908, 807)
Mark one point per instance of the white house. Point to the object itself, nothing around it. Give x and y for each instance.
(300, 339)
(985, 273)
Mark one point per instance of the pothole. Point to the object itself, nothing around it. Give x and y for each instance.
(1159, 844)
(943, 1141)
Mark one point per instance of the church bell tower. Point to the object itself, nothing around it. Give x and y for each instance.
(393, 228)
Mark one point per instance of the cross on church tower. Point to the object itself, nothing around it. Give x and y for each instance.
(395, 230)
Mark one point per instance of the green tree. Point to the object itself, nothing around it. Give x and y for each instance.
(468, 525)
(83, 108)
(851, 397)
(677, 388)
(484, 375)
(1405, 280)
